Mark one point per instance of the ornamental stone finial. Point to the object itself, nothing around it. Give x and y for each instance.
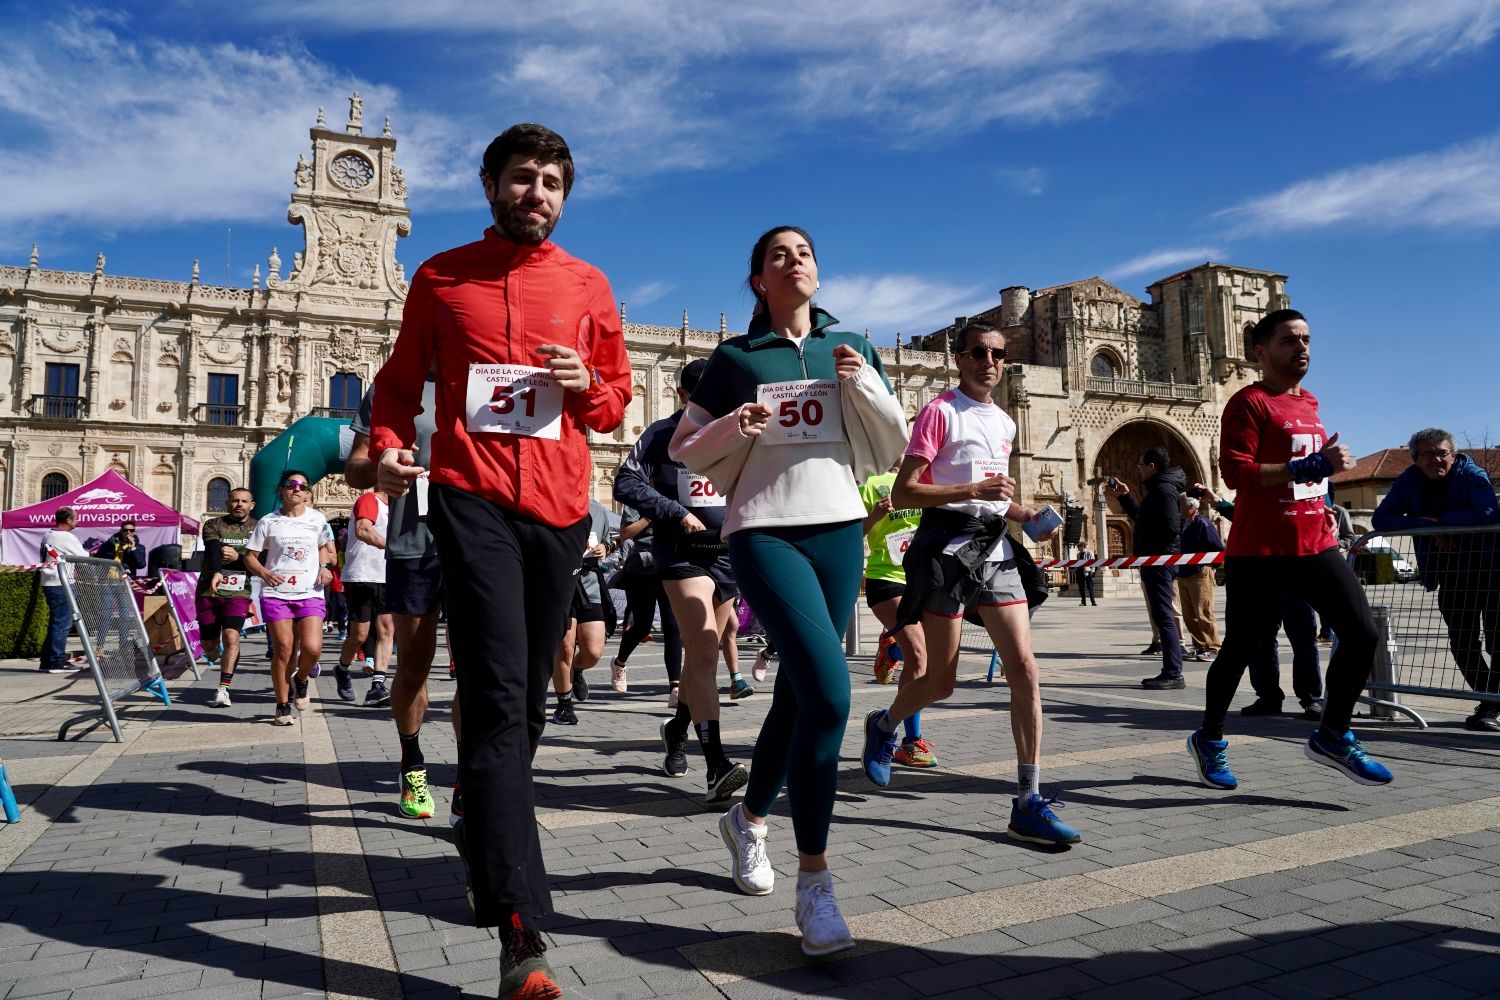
(622, 312)
(99, 263)
(32, 263)
(321, 122)
(195, 271)
(684, 321)
(273, 264)
(387, 130)
(255, 277)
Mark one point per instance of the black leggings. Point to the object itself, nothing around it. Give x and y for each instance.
(1252, 616)
(642, 597)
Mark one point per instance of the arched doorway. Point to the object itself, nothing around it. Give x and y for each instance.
(1118, 457)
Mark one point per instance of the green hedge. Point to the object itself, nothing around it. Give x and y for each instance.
(23, 615)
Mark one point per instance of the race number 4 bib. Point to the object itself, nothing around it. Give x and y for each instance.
(695, 491)
(897, 542)
(514, 399)
(803, 411)
(1302, 446)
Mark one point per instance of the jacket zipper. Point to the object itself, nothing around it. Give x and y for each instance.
(802, 357)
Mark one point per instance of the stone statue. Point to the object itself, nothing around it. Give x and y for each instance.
(398, 182)
(356, 109)
(303, 173)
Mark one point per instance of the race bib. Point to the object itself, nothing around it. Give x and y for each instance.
(1302, 446)
(803, 411)
(232, 581)
(514, 399)
(695, 491)
(897, 542)
(423, 482)
(988, 468)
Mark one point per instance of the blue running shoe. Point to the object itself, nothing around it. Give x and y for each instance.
(1035, 821)
(1211, 758)
(1346, 754)
(880, 749)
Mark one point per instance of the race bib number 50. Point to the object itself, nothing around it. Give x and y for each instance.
(804, 411)
(514, 399)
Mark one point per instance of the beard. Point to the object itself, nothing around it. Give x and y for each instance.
(514, 222)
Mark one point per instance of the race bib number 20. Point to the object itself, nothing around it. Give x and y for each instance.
(695, 491)
(514, 399)
(803, 411)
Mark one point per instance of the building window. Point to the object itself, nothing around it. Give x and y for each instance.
(218, 495)
(1103, 366)
(345, 391)
(54, 484)
(61, 398)
(223, 408)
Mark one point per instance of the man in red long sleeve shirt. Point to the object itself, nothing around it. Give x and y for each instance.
(528, 353)
(1275, 452)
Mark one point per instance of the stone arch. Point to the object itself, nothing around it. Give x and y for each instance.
(1118, 456)
(1245, 346)
(1107, 356)
(48, 481)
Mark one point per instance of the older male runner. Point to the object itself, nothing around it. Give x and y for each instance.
(526, 346)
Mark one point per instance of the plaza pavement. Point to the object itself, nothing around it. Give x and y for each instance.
(212, 855)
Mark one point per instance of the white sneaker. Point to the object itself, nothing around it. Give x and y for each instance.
(672, 697)
(221, 698)
(617, 677)
(746, 841)
(762, 664)
(818, 918)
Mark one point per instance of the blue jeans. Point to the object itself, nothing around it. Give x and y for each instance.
(1159, 582)
(59, 624)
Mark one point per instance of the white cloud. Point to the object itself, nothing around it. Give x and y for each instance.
(1164, 260)
(886, 303)
(648, 293)
(1030, 181)
(1458, 187)
(1394, 34)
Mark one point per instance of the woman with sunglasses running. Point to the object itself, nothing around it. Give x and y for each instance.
(786, 421)
(291, 551)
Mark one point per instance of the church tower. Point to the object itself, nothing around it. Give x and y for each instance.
(351, 202)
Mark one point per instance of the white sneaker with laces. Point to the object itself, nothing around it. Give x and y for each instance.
(818, 918)
(221, 698)
(746, 841)
(672, 698)
(618, 680)
(762, 664)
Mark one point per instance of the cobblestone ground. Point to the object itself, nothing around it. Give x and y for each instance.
(212, 855)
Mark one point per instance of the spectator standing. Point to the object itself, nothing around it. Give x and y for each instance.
(124, 548)
(1195, 584)
(1446, 488)
(58, 542)
(1083, 578)
(1158, 531)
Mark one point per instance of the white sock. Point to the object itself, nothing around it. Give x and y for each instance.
(805, 879)
(1029, 777)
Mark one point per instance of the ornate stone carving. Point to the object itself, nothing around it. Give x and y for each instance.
(303, 173)
(165, 406)
(7, 343)
(123, 351)
(343, 347)
(54, 449)
(62, 339)
(171, 353)
(223, 351)
(398, 183)
(118, 404)
(348, 250)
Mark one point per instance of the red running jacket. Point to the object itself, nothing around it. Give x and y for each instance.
(495, 302)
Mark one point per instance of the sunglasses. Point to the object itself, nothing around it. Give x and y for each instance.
(981, 353)
(294, 484)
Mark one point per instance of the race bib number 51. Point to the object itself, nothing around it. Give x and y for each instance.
(804, 411)
(514, 399)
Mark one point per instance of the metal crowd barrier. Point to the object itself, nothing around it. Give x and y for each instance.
(1442, 642)
(114, 638)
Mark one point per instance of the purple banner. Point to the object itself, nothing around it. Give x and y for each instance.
(181, 589)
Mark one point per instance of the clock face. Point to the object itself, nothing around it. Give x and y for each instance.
(351, 170)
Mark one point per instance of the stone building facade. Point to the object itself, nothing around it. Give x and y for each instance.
(177, 384)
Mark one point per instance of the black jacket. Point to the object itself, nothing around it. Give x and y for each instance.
(1157, 516)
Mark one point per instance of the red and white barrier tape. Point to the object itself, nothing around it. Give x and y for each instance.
(28, 569)
(134, 584)
(1136, 562)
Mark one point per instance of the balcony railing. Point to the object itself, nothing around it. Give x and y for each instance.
(59, 407)
(1141, 389)
(219, 414)
(337, 412)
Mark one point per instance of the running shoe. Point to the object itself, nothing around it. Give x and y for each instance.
(453, 671)
(880, 749)
(1152, 650)
(753, 874)
(762, 664)
(1033, 820)
(456, 807)
(915, 753)
(1211, 758)
(886, 666)
(299, 688)
(524, 972)
(283, 715)
(580, 687)
(818, 918)
(1164, 682)
(675, 763)
(317, 669)
(344, 683)
(618, 681)
(724, 783)
(416, 800)
(1347, 755)
(62, 668)
(221, 698)
(740, 689)
(1312, 709)
(378, 694)
(563, 715)
(672, 698)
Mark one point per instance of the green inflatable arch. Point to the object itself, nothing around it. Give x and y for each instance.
(316, 445)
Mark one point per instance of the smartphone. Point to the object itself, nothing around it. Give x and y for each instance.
(1111, 482)
(1195, 492)
(1045, 520)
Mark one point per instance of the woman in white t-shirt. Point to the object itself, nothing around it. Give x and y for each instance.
(292, 552)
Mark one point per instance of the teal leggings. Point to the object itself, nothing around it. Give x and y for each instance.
(802, 583)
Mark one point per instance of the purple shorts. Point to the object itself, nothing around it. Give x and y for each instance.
(222, 612)
(274, 609)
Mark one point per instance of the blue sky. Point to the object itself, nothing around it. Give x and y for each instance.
(937, 152)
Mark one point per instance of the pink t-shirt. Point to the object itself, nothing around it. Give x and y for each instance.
(964, 441)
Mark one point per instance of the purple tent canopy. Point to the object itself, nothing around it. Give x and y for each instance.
(100, 505)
